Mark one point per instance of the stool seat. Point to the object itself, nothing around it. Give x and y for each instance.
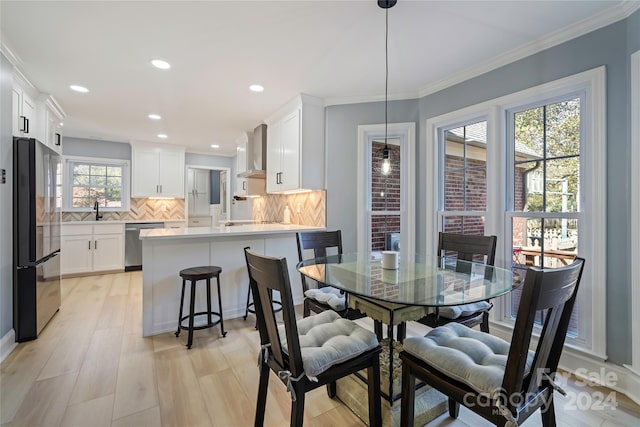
(213, 318)
(200, 273)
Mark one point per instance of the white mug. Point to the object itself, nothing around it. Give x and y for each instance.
(390, 260)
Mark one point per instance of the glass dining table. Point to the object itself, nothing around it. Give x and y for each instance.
(418, 286)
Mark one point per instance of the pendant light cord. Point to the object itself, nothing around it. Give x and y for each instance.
(386, 74)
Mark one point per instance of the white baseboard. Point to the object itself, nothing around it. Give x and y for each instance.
(7, 344)
(625, 381)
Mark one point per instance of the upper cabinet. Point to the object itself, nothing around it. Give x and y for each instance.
(49, 119)
(295, 146)
(24, 113)
(241, 164)
(157, 171)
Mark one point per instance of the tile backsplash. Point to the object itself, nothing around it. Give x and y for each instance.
(139, 210)
(306, 208)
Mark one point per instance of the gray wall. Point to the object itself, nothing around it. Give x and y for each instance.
(6, 198)
(602, 47)
(94, 148)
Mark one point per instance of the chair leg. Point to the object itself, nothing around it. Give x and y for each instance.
(408, 397)
(262, 394)
(373, 383)
(306, 310)
(548, 413)
(181, 306)
(192, 310)
(297, 408)
(224, 333)
(484, 326)
(246, 310)
(454, 408)
(377, 328)
(331, 389)
(401, 332)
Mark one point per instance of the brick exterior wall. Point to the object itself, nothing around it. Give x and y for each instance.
(385, 195)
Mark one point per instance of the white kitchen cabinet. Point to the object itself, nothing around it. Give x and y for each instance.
(198, 183)
(24, 113)
(295, 146)
(49, 129)
(157, 172)
(241, 165)
(91, 248)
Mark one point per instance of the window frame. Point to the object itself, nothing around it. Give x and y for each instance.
(69, 161)
(593, 194)
(405, 133)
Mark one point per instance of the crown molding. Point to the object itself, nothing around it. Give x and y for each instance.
(369, 98)
(607, 17)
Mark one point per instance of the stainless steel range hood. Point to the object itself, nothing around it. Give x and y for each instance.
(257, 154)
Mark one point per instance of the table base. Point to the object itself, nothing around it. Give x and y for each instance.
(429, 403)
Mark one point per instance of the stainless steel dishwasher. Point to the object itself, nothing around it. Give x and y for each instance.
(133, 244)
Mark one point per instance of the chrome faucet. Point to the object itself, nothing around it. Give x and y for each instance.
(97, 209)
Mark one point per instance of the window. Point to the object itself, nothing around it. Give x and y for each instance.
(104, 180)
(545, 152)
(530, 168)
(463, 192)
(385, 207)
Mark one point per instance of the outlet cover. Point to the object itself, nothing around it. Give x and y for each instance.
(3, 180)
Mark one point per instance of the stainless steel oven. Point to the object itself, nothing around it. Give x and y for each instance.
(133, 244)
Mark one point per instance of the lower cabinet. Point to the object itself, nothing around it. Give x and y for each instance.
(91, 248)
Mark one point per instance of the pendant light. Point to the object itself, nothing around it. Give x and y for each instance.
(386, 152)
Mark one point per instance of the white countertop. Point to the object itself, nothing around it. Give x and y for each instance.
(218, 231)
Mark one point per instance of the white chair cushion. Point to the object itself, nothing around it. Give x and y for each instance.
(328, 296)
(474, 358)
(456, 311)
(326, 339)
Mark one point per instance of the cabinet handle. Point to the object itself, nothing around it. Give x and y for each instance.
(23, 128)
(244, 185)
(161, 188)
(58, 138)
(281, 180)
(157, 188)
(89, 241)
(95, 244)
(27, 125)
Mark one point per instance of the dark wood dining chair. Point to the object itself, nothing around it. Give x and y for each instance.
(501, 381)
(309, 353)
(465, 247)
(321, 297)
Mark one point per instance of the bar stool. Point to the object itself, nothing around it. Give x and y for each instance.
(194, 274)
(250, 308)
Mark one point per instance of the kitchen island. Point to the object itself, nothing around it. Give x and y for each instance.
(167, 251)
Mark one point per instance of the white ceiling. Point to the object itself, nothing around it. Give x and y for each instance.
(330, 49)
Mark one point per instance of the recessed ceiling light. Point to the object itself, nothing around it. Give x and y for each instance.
(154, 117)
(215, 146)
(256, 88)
(159, 63)
(77, 88)
(162, 135)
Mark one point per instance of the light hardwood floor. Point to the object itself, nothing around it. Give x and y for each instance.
(92, 367)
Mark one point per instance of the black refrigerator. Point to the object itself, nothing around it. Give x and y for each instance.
(36, 236)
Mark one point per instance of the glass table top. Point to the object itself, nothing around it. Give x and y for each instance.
(419, 280)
